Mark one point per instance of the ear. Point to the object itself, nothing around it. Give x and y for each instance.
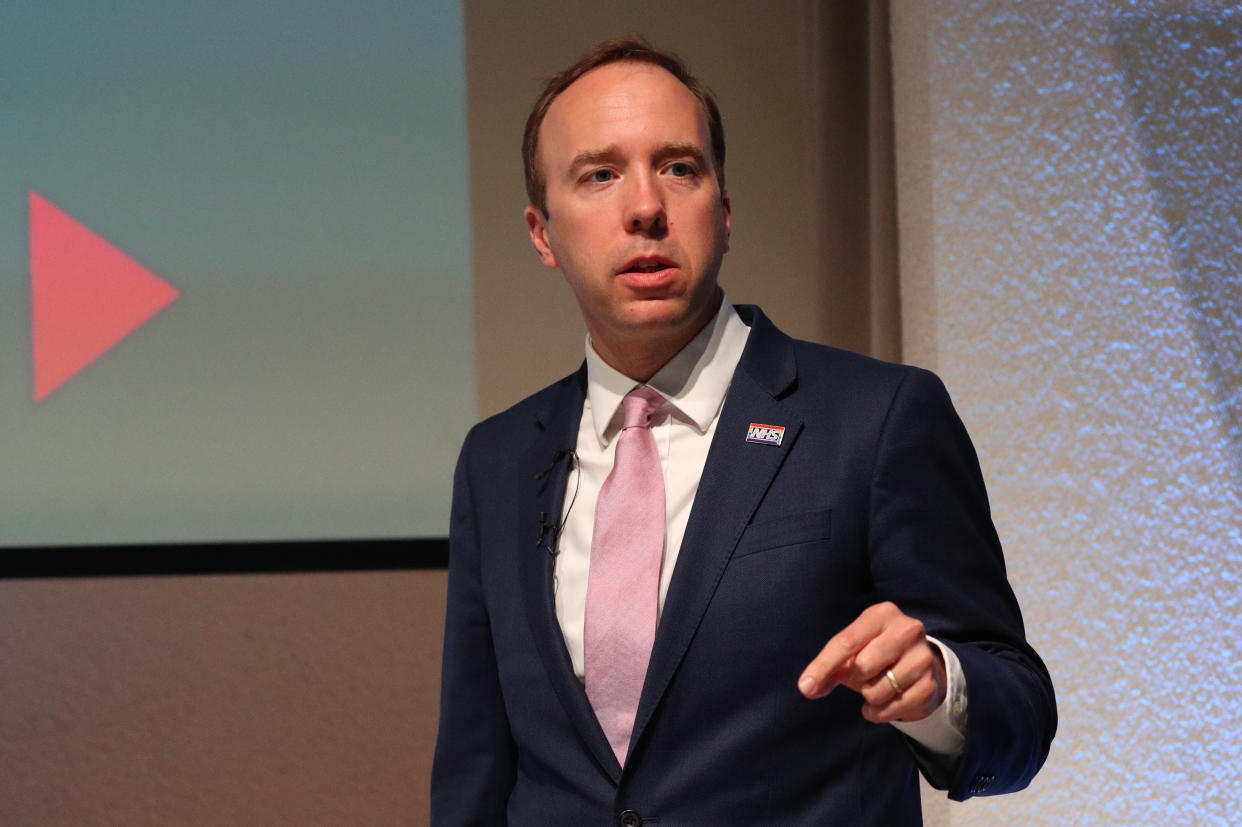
(728, 213)
(537, 225)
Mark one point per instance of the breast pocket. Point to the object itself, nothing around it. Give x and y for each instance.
(807, 527)
(785, 592)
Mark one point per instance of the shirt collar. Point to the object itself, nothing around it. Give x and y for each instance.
(694, 381)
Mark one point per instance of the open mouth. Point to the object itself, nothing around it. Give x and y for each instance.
(648, 265)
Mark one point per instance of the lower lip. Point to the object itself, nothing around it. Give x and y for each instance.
(657, 278)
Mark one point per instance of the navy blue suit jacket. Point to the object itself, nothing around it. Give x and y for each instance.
(874, 494)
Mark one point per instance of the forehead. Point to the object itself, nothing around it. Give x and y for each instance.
(620, 103)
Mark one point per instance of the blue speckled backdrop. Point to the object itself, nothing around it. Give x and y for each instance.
(1087, 217)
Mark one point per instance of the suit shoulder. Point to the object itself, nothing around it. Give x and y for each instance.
(844, 370)
(540, 406)
(820, 375)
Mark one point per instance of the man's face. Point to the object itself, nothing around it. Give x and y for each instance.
(636, 220)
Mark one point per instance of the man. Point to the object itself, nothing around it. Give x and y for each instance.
(674, 573)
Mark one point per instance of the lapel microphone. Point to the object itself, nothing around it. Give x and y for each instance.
(547, 527)
(544, 528)
(560, 454)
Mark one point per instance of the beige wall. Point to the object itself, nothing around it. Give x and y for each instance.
(291, 699)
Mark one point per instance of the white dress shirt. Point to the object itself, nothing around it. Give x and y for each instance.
(695, 383)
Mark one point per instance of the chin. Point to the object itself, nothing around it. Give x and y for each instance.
(658, 314)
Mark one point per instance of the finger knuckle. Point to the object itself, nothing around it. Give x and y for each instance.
(864, 664)
(848, 640)
(912, 631)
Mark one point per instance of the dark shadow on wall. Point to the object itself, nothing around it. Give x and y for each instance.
(1183, 76)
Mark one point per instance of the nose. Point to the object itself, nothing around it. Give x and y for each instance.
(644, 209)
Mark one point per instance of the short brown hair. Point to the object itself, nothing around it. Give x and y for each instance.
(614, 51)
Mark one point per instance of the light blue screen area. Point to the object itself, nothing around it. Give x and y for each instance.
(1184, 78)
(299, 172)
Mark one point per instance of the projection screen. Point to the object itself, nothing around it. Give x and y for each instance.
(236, 292)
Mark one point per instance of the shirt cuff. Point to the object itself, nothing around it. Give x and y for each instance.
(943, 733)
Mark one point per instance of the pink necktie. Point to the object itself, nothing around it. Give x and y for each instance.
(624, 582)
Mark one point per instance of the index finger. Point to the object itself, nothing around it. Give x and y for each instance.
(832, 664)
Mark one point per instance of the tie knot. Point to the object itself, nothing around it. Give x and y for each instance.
(639, 404)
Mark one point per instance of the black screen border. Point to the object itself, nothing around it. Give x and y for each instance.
(277, 557)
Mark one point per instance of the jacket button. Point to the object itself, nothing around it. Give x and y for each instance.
(629, 818)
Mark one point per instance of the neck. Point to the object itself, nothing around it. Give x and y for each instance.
(639, 365)
(640, 356)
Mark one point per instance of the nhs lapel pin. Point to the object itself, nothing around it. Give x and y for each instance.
(765, 434)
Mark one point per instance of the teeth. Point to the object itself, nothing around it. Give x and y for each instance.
(649, 267)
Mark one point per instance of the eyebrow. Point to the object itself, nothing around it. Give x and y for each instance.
(679, 149)
(590, 157)
(682, 150)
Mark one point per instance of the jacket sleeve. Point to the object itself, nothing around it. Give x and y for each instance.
(474, 767)
(935, 553)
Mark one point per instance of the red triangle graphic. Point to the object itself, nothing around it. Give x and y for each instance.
(86, 295)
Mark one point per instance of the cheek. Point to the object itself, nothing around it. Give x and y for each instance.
(572, 240)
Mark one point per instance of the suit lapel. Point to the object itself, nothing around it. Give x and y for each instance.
(544, 476)
(735, 479)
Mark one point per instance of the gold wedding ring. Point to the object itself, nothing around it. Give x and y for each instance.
(892, 681)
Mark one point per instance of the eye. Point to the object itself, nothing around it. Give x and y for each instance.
(680, 169)
(600, 176)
